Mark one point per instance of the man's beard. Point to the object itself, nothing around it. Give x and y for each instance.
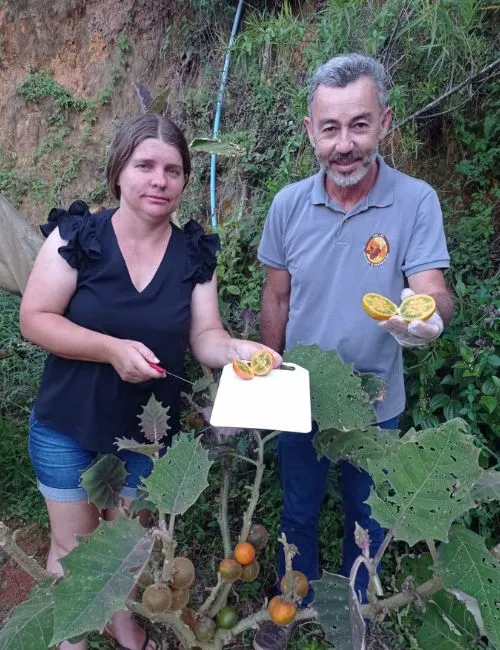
(348, 180)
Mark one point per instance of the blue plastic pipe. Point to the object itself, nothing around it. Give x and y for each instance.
(220, 99)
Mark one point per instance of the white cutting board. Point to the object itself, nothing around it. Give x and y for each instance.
(279, 401)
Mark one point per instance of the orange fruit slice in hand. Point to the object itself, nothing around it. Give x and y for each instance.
(243, 369)
(378, 307)
(262, 362)
(417, 307)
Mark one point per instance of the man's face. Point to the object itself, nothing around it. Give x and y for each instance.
(345, 126)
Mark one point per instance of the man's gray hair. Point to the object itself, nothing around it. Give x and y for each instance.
(344, 69)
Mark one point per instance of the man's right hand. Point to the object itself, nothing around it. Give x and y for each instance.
(130, 360)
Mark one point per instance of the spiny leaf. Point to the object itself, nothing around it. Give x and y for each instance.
(355, 446)
(154, 420)
(143, 95)
(159, 103)
(103, 481)
(30, 625)
(487, 487)
(338, 612)
(337, 398)
(178, 479)
(467, 565)
(423, 482)
(150, 449)
(447, 625)
(98, 576)
(206, 145)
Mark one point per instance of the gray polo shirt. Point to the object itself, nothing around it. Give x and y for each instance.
(335, 257)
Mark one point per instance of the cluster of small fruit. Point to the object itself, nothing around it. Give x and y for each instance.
(159, 598)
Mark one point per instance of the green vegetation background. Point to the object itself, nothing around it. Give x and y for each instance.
(429, 48)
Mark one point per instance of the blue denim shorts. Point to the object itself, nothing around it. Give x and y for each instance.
(59, 460)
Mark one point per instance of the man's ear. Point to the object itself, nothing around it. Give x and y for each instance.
(309, 129)
(385, 122)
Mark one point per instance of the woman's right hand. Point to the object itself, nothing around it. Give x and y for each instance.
(130, 360)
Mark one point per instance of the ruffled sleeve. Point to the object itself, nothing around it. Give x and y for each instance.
(78, 226)
(201, 253)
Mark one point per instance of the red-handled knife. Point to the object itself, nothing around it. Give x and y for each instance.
(167, 372)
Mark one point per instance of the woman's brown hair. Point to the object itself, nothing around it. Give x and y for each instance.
(134, 131)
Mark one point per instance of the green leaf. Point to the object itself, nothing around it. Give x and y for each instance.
(154, 420)
(467, 565)
(374, 386)
(203, 383)
(30, 625)
(338, 612)
(487, 487)
(447, 625)
(103, 481)
(489, 402)
(207, 145)
(98, 576)
(439, 401)
(337, 398)
(423, 482)
(356, 446)
(178, 479)
(159, 103)
(150, 449)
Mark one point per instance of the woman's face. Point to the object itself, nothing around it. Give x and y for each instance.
(152, 181)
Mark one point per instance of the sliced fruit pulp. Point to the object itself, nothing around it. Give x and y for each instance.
(262, 362)
(378, 307)
(417, 307)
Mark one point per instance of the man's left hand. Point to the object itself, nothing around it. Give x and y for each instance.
(416, 333)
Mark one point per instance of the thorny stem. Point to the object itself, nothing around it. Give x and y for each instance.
(181, 630)
(31, 566)
(168, 544)
(221, 599)
(289, 551)
(423, 591)
(254, 496)
(255, 619)
(224, 498)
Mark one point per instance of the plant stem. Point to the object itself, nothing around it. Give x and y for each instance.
(224, 498)
(181, 630)
(31, 566)
(245, 458)
(269, 437)
(212, 596)
(432, 548)
(171, 525)
(254, 496)
(221, 599)
(423, 591)
(383, 547)
(254, 619)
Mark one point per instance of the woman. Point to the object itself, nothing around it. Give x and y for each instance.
(110, 294)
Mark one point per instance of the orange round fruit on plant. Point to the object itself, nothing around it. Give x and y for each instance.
(183, 573)
(417, 307)
(230, 570)
(250, 571)
(378, 307)
(243, 369)
(244, 553)
(258, 536)
(281, 611)
(300, 584)
(262, 362)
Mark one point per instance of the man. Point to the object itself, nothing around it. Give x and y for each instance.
(356, 226)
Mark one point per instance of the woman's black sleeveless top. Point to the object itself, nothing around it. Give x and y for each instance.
(87, 400)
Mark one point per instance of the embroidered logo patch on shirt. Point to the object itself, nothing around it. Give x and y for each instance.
(376, 249)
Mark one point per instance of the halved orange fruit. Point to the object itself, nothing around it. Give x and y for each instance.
(243, 369)
(378, 307)
(262, 362)
(417, 307)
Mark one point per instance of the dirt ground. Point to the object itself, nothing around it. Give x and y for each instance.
(15, 583)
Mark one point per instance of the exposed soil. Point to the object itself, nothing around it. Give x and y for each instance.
(15, 583)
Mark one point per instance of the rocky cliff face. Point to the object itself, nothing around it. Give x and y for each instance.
(93, 49)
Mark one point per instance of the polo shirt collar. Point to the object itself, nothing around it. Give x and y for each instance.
(381, 194)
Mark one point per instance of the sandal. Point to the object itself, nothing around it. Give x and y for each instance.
(109, 632)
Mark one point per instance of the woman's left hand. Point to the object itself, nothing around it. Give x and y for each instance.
(243, 349)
